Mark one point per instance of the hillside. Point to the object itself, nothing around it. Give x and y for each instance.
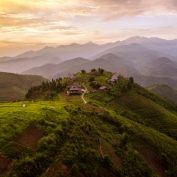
(122, 131)
(165, 91)
(162, 67)
(148, 80)
(15, 86)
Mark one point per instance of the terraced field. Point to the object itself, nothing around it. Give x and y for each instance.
(4, 164)
(30, 137)
(154, 160)
(151, 113)
(107, 148)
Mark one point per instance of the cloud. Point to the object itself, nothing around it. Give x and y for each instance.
(54, 20)
(16, 12)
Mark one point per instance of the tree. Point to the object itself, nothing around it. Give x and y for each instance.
(107, 161)
(101, 70)
(83, 71)
(74, 170)
(130, 83)
(91, 79)
(93, 70)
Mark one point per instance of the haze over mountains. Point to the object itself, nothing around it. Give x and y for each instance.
(140, 57)
(165, 91)
(162, 67)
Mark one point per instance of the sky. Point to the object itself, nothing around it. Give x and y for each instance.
(34, 24)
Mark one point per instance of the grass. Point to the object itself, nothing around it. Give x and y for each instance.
(75, 132)
(15, 86)
(14, 119)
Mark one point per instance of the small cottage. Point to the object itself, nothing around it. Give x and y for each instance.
(75, 89)
(103, 88)
(71, 77)
(114, 78)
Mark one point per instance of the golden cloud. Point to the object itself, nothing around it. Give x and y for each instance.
(41, 20)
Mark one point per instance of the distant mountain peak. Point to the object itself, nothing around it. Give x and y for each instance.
(90, 43)
(74, 44)
(47, 47)
(111, 55)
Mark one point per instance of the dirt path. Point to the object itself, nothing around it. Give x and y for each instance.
(82, 96)
(107, 77)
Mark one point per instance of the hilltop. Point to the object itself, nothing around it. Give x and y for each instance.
(122, 130)
(15, 86)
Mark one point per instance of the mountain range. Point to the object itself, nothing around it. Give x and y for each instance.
(140, 57)
(109, 62)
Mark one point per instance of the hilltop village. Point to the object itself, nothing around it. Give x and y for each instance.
(77, 89)
(83, 83)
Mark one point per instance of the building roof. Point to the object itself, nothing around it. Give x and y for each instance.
(71, 76)
(115, 76)
(75, 87)
(103, 87)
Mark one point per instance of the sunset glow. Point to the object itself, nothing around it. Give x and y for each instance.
(34, 24)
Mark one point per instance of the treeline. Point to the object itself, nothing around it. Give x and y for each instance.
(123, 85)
(55, 86)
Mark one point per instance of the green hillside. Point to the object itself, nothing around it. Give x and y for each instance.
(124, 130)
(15, 86)
(165, 91)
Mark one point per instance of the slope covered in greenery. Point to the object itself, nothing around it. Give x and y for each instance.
(122, 131)
(165, 91)
(15, 86)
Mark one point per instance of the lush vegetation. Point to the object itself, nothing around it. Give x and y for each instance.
(124, 130)
(46, 90)
(15, 86)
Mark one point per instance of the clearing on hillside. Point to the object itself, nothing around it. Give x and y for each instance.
(107, 148)
(103, 172)
(4, 164)
(153, 160)
(30, 137)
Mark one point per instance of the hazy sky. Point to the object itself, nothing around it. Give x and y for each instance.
(33, 24)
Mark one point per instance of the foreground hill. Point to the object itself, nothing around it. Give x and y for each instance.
(15, 86)
(165, 91)
(122, 131)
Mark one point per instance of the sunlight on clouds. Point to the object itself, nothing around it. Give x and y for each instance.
(81, 20)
